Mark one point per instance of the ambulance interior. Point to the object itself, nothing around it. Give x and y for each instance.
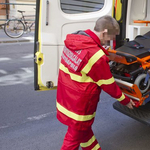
(138, 10)
(130, 63)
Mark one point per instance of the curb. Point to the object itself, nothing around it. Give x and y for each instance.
(5, 39)
(16, 41)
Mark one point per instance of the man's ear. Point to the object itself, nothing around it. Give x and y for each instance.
(105, 31)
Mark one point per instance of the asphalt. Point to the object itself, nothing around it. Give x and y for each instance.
(26, 37)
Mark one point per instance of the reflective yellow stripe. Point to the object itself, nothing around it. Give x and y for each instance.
(74, 115)
(106, 82)
(121, 98)
(96, 147)
(92, 61)
(84, 77)
(75, 77)
(89, 142)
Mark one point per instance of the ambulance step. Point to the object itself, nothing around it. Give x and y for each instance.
(141, 113)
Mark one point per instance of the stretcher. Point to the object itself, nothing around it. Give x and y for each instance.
(130, 66)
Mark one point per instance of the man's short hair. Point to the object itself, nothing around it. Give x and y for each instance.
(109, 23)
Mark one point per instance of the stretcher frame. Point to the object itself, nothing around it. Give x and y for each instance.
(130, 89)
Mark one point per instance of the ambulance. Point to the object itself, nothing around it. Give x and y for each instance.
(129, 63)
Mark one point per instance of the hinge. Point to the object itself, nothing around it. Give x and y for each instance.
(37, 46)
(49, 84)
(37, 51)
(39, 58)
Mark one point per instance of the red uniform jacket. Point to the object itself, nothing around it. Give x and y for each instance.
(83, 72)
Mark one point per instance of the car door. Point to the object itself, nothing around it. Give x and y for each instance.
(54, 20)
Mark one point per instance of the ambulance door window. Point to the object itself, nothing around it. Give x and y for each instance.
(75, 7)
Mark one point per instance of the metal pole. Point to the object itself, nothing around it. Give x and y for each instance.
(7, 12)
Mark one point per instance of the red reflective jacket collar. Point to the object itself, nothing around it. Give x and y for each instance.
(96, 39)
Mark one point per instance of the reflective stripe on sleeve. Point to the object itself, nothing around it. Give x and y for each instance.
(86, 144)
(121, 98)
(74, 115)
(96, 147)
(106, 81)
(93, 60)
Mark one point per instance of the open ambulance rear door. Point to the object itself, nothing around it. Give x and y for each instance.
(54, 20)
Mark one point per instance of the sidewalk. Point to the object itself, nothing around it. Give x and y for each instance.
(29, 37)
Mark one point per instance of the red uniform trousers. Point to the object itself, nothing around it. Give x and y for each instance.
(85, 138)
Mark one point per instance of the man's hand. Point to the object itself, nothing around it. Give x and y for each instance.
(130, 104)
(106, 47)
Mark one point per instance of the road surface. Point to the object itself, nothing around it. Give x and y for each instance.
(28, 118)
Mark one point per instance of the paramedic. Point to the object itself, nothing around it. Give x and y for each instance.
(83, 73)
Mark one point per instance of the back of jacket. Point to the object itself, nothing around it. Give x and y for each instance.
(83, 72)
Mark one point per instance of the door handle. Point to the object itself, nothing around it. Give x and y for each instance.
(47, 12)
